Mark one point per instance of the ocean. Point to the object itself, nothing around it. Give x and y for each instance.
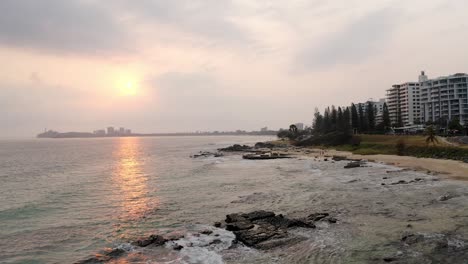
(63, 200)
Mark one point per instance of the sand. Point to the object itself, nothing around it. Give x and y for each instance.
(449, 168)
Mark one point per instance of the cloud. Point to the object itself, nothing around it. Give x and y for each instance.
(60, 26)
(208, 19)
(361, 39)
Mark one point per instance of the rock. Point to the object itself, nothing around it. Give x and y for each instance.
(115, 252)
(389, 259)
(339, 158)
(96, 259)
(399, 182)
(264, 145)
(237, 226)
(263, 229)
(353, 164)
(156, 240)
(325, 159)
(204, 154)
(332, 220)
(217, 224)
(236, 147)
(410, 238)
(384, 178)
(256, 215)
(445, 197)
(317, 216)
(231, 218)
(178, 247)
(206, 232)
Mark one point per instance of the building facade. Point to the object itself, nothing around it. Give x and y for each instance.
(403, 102)
(445, 98)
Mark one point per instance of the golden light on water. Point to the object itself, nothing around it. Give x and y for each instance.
(131, 179)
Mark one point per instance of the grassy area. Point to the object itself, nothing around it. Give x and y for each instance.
(413, 146)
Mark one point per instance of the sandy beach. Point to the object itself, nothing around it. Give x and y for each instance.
(450, 168)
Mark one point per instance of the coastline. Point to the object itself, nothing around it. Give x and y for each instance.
(452, 169)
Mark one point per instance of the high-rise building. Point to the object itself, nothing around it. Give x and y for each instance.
(110, 131)
(403, 101)
(378, 108)
(122, 131)
(445, 98)
(300, 126)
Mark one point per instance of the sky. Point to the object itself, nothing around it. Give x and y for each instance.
(188, 65)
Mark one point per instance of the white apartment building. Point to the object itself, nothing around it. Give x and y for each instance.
(403, 101)
(378, 106)
(445, 98)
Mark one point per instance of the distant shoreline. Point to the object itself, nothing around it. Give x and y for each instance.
(91, 135)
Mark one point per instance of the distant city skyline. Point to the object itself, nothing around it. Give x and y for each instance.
(175, 66)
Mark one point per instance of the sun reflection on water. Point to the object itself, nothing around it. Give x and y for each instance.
(131, 179)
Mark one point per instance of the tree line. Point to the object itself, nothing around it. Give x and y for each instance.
(360, 119)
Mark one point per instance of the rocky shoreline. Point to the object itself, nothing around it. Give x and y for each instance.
(358, 210)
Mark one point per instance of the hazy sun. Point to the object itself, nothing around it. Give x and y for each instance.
(129, 88)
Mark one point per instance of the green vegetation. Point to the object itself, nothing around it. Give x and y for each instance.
(415, 146)
(355, 129)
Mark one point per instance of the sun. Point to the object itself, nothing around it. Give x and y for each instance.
(128, 87)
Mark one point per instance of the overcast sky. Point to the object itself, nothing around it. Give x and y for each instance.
(187, 65)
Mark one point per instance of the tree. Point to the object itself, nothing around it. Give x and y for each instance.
(327, 124)
(318, 122)
(431, 136)
(386, 117)
(354, 117)
(347, 120)
(370, 116)
(454, 124)
(362, 120)
(340, 120)
(333, 118)
(399, 122)
(293, 129)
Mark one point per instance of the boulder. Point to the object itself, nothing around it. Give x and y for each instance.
(264, 229)
(156, 240)
(353, 164)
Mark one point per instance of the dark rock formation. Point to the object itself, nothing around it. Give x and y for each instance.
(156, 240)
(264, 145)
(339, 158)
(353, 164)
(264, 229)
(204, 154)
(236, 147)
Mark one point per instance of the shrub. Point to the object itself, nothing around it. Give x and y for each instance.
(400, 147)
(355, 141)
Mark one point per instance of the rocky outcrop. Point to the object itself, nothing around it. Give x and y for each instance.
(155, 240)
(353, 164)
(264, 145)
(204, 154)
(264, 229)
(236, 147)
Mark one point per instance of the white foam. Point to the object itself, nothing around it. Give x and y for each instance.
(203, 248)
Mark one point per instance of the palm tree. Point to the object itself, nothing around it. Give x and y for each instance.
(293, 129)
(431, 136)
